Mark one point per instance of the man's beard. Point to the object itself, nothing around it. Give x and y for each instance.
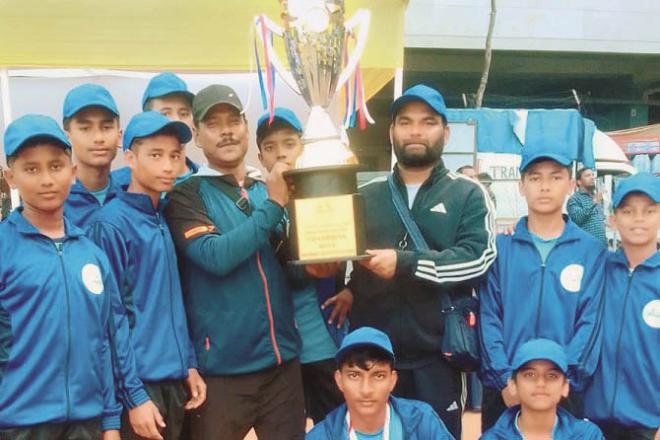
(430, 157)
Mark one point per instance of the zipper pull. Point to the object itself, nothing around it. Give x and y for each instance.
(59, 247)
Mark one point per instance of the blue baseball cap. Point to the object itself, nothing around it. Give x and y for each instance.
(529, 157)
(365, 337)
(29, 127)
(423, 93)
(541, 349)
(149, 123)
(644, 183)
(281, 113)
(164, 84)
(88, 95)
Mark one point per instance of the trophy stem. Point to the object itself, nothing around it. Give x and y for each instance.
(322, 144)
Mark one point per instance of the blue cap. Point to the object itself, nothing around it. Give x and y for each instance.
(541, 349)
(163, 84)
(149, 123)
(365, 336)
(88, 95)
(644, 183)
(29, 127)
(425, 94)
(281, 113)
(532, 155)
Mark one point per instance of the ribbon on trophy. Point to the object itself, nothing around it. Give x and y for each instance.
(267, 89)
(355, 104)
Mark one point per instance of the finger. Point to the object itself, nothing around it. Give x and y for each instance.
(342, 317)
(329, 302)
(334, 314)
(158, 418)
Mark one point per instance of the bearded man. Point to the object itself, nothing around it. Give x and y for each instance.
(399, 289)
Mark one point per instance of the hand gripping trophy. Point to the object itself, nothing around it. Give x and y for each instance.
(326, 211)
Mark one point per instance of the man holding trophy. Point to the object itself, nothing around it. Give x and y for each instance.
(397, 287)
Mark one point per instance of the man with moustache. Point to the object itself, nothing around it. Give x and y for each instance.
(227, 225)
(399, 289)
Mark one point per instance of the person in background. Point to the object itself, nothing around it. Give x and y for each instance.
(585, 206)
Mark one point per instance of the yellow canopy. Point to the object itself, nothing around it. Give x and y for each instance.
(193, 35)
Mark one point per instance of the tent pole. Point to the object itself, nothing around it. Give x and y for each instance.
(6, 114)
(398, 91)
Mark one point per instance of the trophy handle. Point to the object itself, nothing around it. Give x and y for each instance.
(274, 57)
(362, 18)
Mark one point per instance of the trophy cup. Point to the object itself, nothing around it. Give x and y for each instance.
(326, 211)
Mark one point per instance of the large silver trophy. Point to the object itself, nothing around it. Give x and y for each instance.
(326, 211)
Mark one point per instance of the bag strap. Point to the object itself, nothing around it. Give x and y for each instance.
(229, 190)
(413, 230)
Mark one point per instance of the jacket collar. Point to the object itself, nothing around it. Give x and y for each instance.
(438, 172)
(25, 227)
(252, 174)
(409, 414)
(570, 232)
(142, 202)
(619, 257)
(113, 188)
(506, 424)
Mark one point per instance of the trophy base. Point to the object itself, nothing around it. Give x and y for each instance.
(327, 215)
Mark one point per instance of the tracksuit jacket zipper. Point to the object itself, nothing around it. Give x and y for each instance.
(169, 276)
(59, 246)
(271, 322)
(618, 343)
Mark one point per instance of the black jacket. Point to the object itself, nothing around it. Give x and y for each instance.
(456, 218)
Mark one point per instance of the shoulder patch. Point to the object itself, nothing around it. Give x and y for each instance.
(198, 230)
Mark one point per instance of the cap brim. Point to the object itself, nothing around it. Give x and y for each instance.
(264, 125)
(529, 359)
(618, 198)
(105, 106)
(203, 114)
(189, 96)
(64, 143)
(405, 99)
(184, 132)
(340, 354)
(561, 160)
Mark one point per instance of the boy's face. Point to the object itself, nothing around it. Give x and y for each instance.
(545, 185)
(155, 162)
(637, 219)
(43, 175)
(223, 136)
(282, 145)
(539, 385)
(366, 391)
(94, 134)
(175, 107)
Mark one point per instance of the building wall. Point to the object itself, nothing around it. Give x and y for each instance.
(622, 26)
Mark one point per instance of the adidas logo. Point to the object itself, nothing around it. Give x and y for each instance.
(440, 207)
(452, 407)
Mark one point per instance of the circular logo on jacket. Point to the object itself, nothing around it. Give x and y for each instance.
(651, 313)
(571, 277)
(91, 278)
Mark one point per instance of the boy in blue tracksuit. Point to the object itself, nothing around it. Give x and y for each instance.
(60, 317)
(545, 283)
(539, 382)
(132, 231)
(366, 377)
(623, 397)
(91, 122)
(167, 94)
(280, 141)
